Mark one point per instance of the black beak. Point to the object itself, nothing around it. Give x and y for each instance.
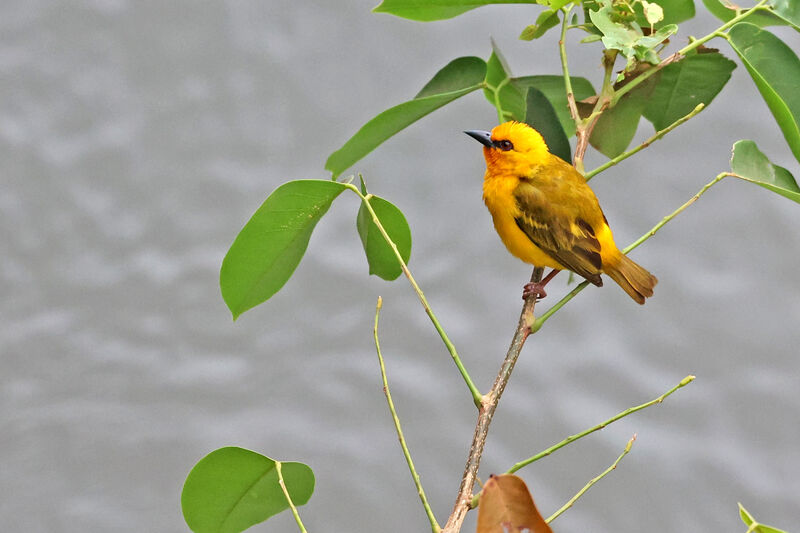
(483, 137)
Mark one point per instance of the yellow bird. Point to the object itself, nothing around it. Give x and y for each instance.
(547, 215)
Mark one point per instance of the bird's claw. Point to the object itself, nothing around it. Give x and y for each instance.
(533, 289)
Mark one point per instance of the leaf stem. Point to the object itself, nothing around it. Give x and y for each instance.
(645, 144)
(683, 51)
(544, 453)
(476, 395)
(592, 482)
(282, 483)
(435, 528)
(550, 312)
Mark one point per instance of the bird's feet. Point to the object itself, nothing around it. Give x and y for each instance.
(533, 289)
(536, 288)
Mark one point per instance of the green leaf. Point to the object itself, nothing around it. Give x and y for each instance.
(775, 69)
(759, 18)
(698, 78)
(748, 520)
(380, 256)
(787, 10)
(231, 489)
(751, 165)
(675, 11)
(509, 97)
(428, 10)
(269, 247)
(547, 19)
(616, 127)
(461, 76)
(455, 76)
(542, 117)
(553, 88)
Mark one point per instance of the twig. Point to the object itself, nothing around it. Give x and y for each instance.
(487, 409)
(592, 482)
(685, 381)
(476, 395)
(645, 144)
(415, 476)
(289, 498)
(675, 213)
(550, 312)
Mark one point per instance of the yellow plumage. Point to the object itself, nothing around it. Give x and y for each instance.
(547, 215)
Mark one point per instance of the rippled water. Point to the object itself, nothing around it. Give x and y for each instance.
(137, 138)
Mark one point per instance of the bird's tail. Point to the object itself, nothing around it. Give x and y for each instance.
(633, 279)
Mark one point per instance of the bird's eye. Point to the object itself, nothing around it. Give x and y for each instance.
(505, 145)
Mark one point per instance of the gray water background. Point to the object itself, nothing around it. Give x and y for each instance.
(136, 139)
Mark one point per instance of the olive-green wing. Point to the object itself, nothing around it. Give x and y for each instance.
(557, 228)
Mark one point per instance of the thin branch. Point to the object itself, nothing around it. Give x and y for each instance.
(435, 528)
(289, 498)
(573, 109)
(683, 51)
(645, 144)
(487, 409)
(592, 482)
(476, 395)
(675, 213)
(685, 381)
(550, 312)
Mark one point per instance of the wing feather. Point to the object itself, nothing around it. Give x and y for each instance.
(558, 228)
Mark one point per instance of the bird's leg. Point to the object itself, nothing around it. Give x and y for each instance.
(537, 288)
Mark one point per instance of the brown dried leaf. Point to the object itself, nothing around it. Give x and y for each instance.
(506, 506)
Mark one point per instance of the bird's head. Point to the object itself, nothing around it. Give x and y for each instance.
(512, 148)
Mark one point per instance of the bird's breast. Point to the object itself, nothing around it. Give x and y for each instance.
(498, 195)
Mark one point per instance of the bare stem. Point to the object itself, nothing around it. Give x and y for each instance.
(645, 144)
(685, 381)
(476, 395)
(282, 483)
(435, 528)
(592, 482)
(487, 409)
(550, 312)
